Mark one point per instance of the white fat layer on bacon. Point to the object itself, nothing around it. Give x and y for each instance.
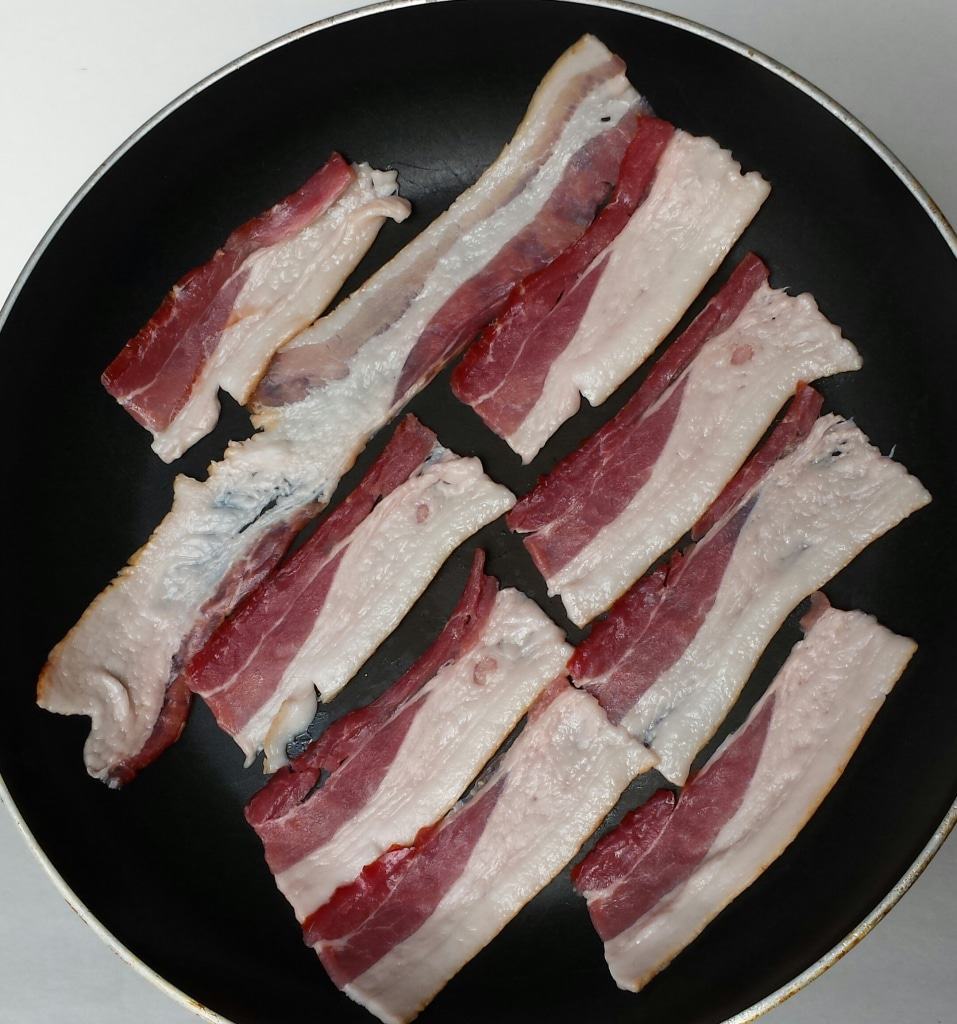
(563, 774)
(697, 207)
(289, 285)
(115, 664)
(386, 564)
(815, 511)
(826, 696)
(727, 405)
(469, 708)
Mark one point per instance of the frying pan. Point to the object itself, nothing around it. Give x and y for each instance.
(166, 870)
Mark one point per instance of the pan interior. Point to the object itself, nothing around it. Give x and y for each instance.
(169, 865)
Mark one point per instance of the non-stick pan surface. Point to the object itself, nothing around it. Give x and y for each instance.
(168, 865)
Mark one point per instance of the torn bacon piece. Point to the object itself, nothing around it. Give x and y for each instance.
(673, 654)
(607, 511)
(322, 401)
(655, 882)
(393, 938)
(400, 763)
(312, 624)
(222, 322)
(593, 315)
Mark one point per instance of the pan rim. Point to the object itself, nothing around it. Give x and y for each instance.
(932, 210)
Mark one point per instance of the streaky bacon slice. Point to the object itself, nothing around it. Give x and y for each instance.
(290, 785)
(313, 623)
(706, 804)
(674, 610)
(795, 425)
(503, 372)
(394, 936)
(655, 882)
(400, 763)
(619, 852)
(459, 636)
(671, 658)
(562, 218)
(591, 317)
(319, 405)
(221, 323)
(444, 287)
(607, 511)
(397, 909)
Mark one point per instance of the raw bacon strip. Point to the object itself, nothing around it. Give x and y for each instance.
(607, 511)
(671, 658)
(313, 623)
(346, 735)
(222, 322)
(411, 754)
(503, 372)
(293, 783)
(600, 656)
(794, 426)
(589, 319)
(655, 882)
(412, 919)
(444, 287)
(224, 535)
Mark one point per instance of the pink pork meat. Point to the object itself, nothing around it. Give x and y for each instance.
(672, 656)
(593, 315)
(413, 918)
(322, 398)
(222, 322)
(400, 763)
(605, 513)
(656, 881)
(312, 624)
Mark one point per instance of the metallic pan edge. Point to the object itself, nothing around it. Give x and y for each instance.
(843, 115)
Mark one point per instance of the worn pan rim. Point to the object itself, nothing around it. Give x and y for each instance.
(949, 822)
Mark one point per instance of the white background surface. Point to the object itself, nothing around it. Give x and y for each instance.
(78, 76)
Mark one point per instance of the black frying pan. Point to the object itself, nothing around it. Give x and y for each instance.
(168, 865)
